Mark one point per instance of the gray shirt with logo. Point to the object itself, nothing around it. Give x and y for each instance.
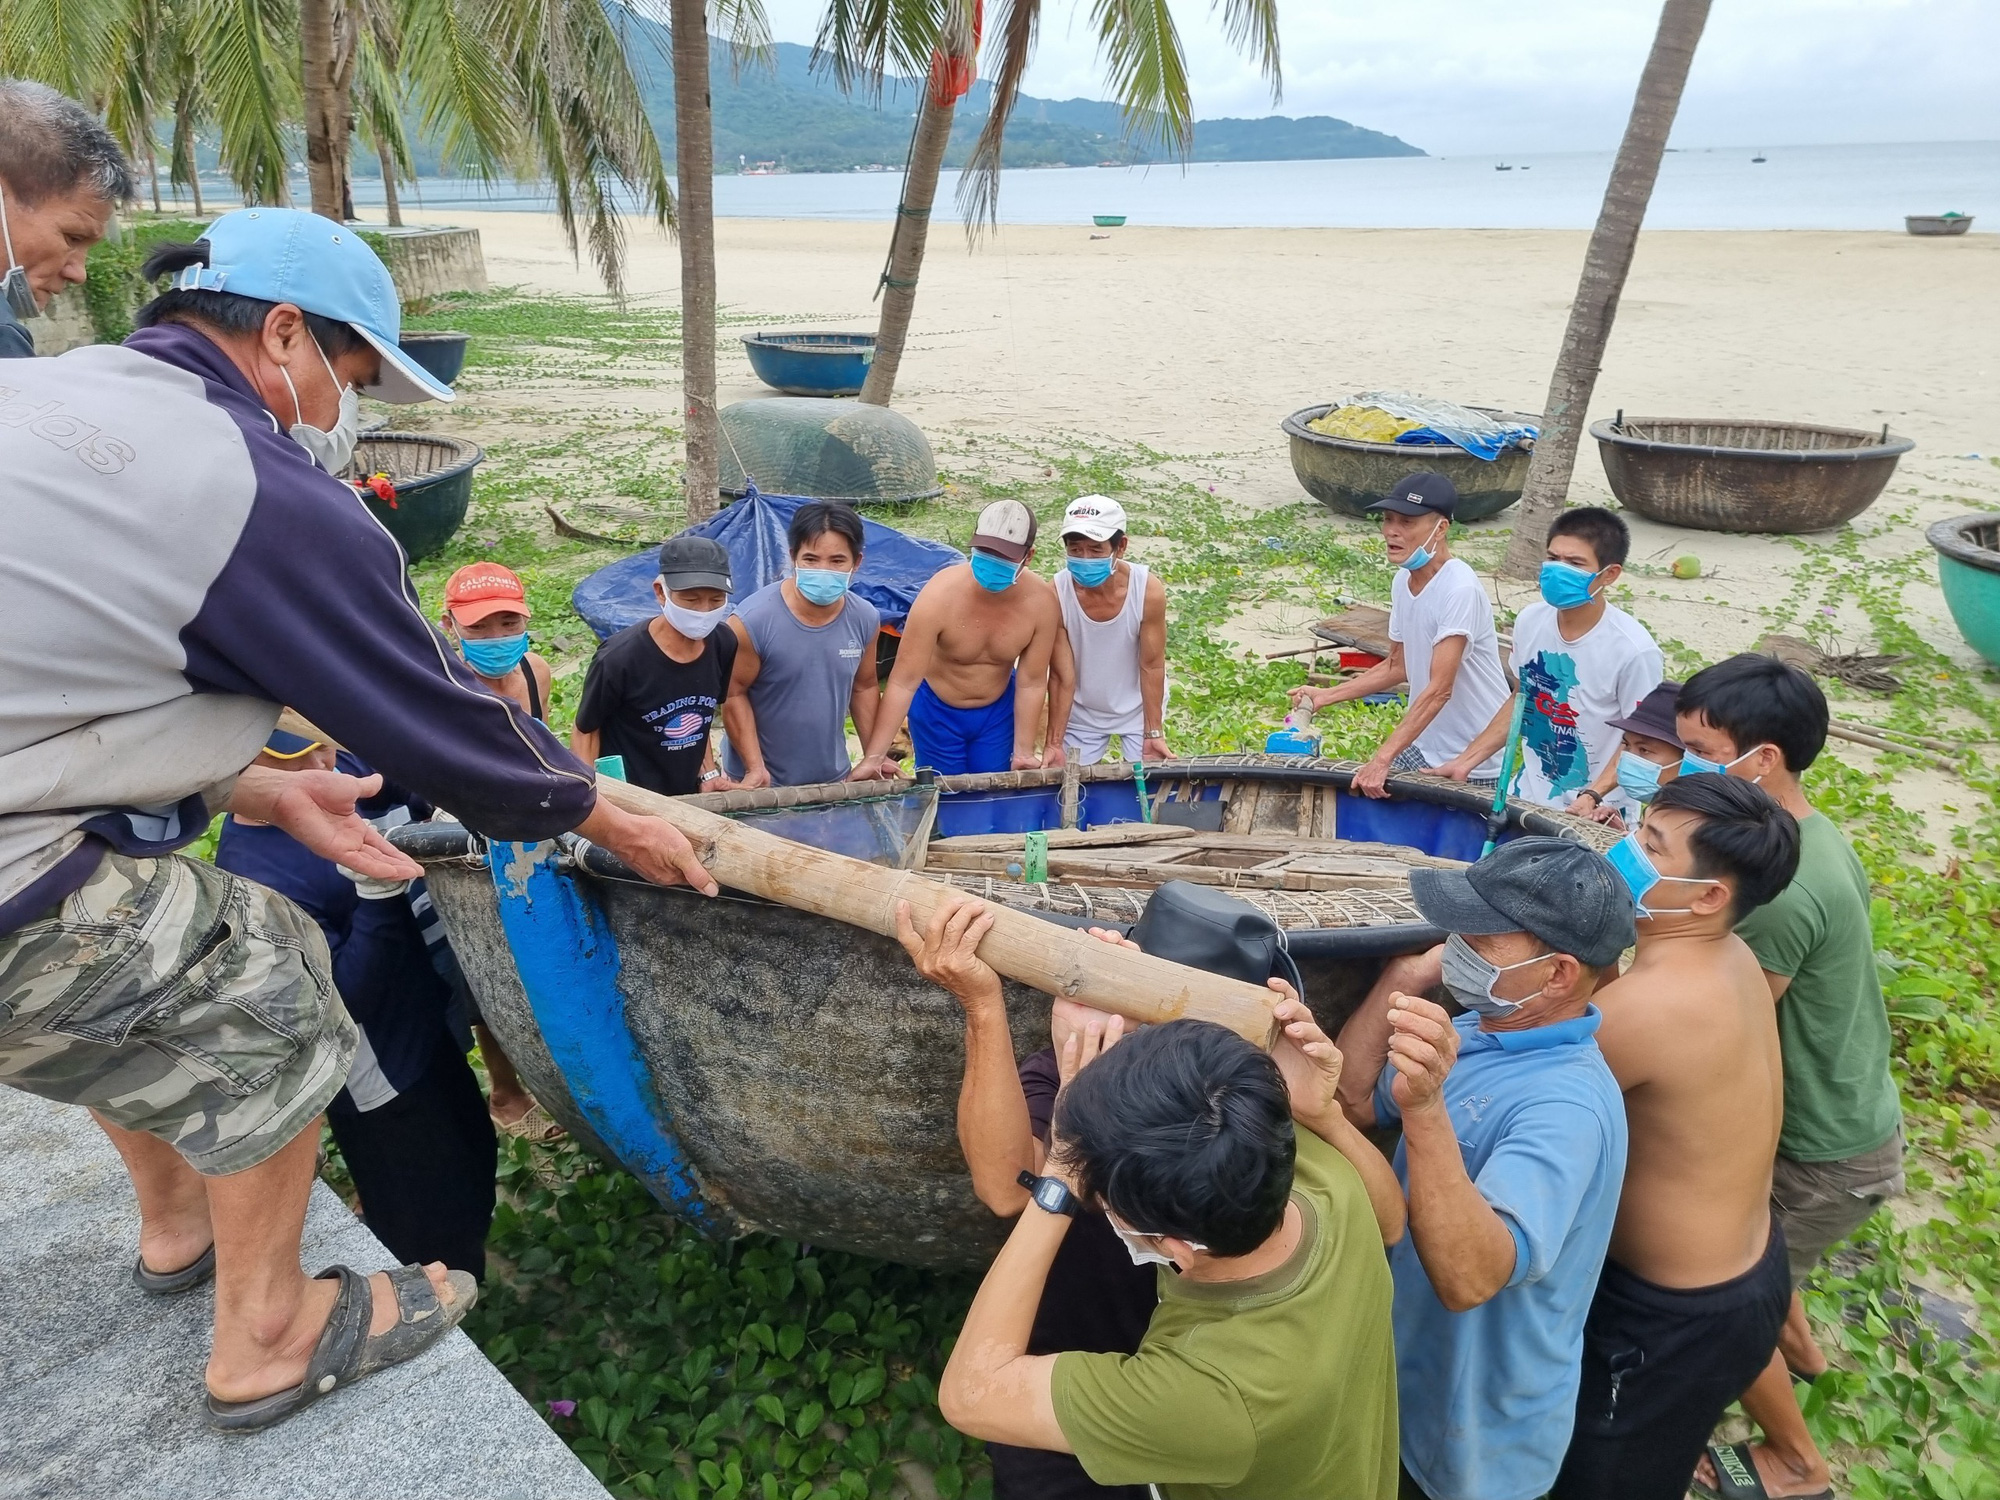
(804, 684)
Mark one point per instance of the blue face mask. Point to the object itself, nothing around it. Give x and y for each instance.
(1638, 778)
(1091, 572)
(1421, 558)
(1694, 765)
(497, 655)
(994, 574)
(1566, 587)
(821, 585)
(1636, 868)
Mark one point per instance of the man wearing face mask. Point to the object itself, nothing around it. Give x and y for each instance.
(1442, 643)
(62, 177)
(654, 689)
(1840, 1155)
(1110, 671)
(178, 563)
(1512, 1153)
(805, 659)
(1695, 1288)
(972, 674)
(486, 616)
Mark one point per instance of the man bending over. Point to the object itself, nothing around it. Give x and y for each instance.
(973, 670)
(1692, 1297)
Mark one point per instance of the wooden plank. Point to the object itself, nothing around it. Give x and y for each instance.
(1054, 959)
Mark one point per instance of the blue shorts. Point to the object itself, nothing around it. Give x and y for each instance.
(952, 741)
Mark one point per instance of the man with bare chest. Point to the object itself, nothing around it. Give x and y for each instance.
(1696, 1285)
(972, 673)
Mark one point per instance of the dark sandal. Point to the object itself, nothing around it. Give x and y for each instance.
(346, 1351)
(167, 1283)
(1737, 1477)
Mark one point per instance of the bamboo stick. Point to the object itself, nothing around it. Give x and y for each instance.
(1947, 747)
(1065, 838)
(1877, 742)
(1058, 960)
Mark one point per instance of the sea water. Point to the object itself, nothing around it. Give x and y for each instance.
(1795, 187)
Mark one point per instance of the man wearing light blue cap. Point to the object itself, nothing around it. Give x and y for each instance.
(181, 560)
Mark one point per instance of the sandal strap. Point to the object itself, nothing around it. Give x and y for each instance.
(416, 1299)
(336, 1358)
(1736, 1473)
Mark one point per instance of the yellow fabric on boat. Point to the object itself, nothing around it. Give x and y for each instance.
(1366, 424)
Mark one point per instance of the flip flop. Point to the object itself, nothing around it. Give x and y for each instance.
(346, 1351)
(1737, 1477)
(537, 1125)
(167, 1283)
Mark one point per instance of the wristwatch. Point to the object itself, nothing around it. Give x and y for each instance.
(1591, 793)
(708, 776)
(1050, 1194)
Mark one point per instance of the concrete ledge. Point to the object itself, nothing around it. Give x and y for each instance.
(101, 1388)
(64, 324)
(430, 261)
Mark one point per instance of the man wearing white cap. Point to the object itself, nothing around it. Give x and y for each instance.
(972, 673)
(1110, 671)
(181, 558)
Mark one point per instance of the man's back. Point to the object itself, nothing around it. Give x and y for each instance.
(1282, 1387)
(1691, 1034)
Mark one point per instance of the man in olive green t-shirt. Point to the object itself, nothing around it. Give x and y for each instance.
(1840, 1151)
(1268, 1371)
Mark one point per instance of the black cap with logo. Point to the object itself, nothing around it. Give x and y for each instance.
(1421, 494)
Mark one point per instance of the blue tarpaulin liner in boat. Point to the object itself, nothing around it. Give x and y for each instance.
(893, 566)
(1446, 423)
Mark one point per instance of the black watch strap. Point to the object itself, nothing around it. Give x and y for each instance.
(1049, 1194)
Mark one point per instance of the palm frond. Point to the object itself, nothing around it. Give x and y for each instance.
(863, 41)
(71, 45)
(1148, 71)
(979, 183)
(452, 57)
(1252, 28)
(248, 61)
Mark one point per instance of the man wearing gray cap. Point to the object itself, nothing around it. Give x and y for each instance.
(1513, 1152)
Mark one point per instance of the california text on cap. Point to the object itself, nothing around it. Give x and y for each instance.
(484, 588)
(1654, 717)
(1420, 494)
(695, 562)
(1093, 516)
(1006, 529)
(1567, 895)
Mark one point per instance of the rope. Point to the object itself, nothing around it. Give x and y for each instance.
(888, 280)
(912, 213)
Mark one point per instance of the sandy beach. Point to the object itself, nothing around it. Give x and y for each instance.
(1197, 342)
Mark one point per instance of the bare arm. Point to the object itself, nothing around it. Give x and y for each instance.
(1466, 1248)
(993, 1127)
(992, 1387)
(865, 703)
(1031, 681)
(1311, 1066)
(1446, 658)
(913, 662)
(737, 715)
(1153, 670)
(1779, 983)
(1384, 676)
(1062, 691)
(585, 745)
(1485, 744)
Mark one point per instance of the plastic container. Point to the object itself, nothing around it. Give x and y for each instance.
(1298, 737)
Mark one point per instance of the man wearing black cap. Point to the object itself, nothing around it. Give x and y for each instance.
(1442, 643)
(1512, 1154)
(654, 689)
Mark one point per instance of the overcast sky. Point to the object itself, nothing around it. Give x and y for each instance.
(1557, 75)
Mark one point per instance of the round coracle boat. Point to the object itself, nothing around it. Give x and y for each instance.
(823, 448)
(1745, 476)
(1968, 549)
(1349, 475)
(811, 364)
(430, 476)
(762, 1068)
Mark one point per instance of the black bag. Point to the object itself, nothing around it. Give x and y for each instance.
(1198, 926)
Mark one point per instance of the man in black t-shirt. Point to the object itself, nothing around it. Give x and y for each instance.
(653, 689)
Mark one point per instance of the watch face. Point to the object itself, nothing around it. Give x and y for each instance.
(1052, 1195)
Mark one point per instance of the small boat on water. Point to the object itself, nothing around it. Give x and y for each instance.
(1501, 166)
(763, 1068)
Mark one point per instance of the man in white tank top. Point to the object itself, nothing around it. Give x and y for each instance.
(1109, 675)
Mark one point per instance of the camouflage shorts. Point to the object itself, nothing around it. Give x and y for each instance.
(181, 1000)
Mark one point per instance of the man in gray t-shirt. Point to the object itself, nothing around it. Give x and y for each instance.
(805, 660)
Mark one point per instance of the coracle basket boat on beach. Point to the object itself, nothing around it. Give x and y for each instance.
(1968, 553)
(1348, 475)
(432, 478)
(764, 1068)
(1745, 476)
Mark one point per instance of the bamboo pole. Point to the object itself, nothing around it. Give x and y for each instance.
(1058, 960)
(1877, 742)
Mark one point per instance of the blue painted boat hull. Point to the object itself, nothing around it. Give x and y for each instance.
(762, 1068)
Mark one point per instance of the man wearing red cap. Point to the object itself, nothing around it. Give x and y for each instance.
(486, 616)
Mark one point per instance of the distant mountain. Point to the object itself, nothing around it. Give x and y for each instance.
(798, 119)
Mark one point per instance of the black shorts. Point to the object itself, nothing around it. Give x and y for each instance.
(1043, 1474)
(1660, 1366)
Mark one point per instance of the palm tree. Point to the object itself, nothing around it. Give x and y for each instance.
(938, 39)
(1605, 265)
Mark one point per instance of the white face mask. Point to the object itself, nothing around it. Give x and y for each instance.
(1140, 1248)
(19, 295)
(695, 624)
(332, 451)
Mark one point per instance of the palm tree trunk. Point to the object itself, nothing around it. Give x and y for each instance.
(1605, 265)
(153, 168)
(906, 248)
(389, 200)
(327, 51)
(694, 158)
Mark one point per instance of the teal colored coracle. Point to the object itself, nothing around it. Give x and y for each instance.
(1968, 549)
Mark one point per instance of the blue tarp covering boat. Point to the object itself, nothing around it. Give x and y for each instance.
(893, 566)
